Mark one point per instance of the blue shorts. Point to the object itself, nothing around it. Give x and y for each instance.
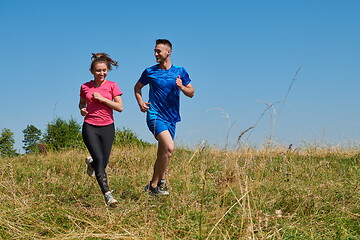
(157, 126)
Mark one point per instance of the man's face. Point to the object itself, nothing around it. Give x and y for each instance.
(162, 52)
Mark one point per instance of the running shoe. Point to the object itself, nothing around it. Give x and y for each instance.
(109, 199)
(150, 190)
(90, 170)
(162, 187)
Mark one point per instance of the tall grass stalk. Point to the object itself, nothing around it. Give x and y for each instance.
(229, 124)
(269, 106)
(285, 99)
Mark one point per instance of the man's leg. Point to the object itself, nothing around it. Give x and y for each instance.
(165, 149)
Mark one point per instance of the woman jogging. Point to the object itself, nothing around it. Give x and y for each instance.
(98, 99)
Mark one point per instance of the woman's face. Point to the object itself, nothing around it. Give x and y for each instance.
(100, 71)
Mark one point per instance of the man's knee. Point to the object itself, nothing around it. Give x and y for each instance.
(166, 143)
(167, 149)
(170, 149)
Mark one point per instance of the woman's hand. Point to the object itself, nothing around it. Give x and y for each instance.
(83, 112)
(98, 96)
(82, 107)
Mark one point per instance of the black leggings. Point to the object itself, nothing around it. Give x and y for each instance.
(98, 140)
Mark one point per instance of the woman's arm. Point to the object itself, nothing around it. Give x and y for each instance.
(116, 104)
(82, 107)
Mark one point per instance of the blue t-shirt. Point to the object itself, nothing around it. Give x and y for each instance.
(164, 95)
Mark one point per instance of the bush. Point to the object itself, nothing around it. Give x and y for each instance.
(62, 134)
(127, 137)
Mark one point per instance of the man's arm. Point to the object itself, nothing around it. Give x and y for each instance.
(144, 106)
(188, 90)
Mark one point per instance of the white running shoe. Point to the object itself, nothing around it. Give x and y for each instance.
(109, 199)
(90, 170)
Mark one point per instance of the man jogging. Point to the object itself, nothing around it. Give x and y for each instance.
(165, 81)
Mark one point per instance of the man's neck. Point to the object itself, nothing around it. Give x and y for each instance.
(166, 65)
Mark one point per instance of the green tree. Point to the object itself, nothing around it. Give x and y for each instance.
(7, 143)
(32, 136)
(61, 134)
(127, 137)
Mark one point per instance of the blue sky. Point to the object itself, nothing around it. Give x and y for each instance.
(241, 57)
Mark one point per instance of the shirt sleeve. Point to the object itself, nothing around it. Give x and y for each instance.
(185, 77)
(144, 78)
(116, 91)
(82, 92)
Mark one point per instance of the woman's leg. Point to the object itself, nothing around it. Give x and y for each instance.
(107, 139)
(94, 140)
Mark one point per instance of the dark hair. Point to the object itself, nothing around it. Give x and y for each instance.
(103, 58)
(165, 42)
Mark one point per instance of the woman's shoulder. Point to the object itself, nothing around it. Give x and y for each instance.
(111, 82)
(87, 84)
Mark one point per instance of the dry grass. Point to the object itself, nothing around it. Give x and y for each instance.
(249, 194)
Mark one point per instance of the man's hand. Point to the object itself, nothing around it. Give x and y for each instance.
(144, 106)
(188, 90)
(179, 83)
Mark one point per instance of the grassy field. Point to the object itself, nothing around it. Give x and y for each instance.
(249, 194)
